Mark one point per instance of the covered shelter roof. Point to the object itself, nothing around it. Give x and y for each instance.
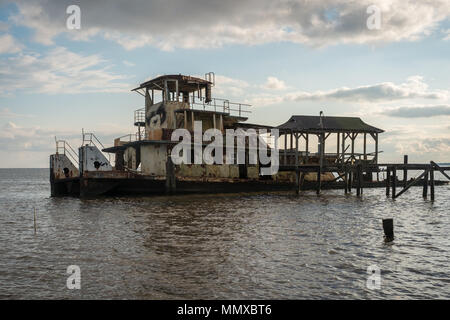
(185, 83)
(317, 124)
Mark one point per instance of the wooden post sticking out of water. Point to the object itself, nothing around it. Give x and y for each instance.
(405, 171)
(297, 180)
(34, 220)
(425, 185)
(358, 180)
(388, 227)
(394, 182)
(361, 178)
(346, 180)
(388, 180)
(350, 179)
(432, 182)
(319, 182)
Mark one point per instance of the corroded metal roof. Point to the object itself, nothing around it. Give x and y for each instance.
(185, 83)
(329, 124)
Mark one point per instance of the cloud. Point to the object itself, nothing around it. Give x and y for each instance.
(3, 26)
(413, 88)
(419, 112)
(8, 44)
(6, 113)
(447, 37)
(208, 24)
(128, 63)
(424, 146)
(226, 86)
(58, 71)
(275, 84)
(14, 137)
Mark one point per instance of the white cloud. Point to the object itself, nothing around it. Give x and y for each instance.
(3, 26)
(128, 63)
(447, 32)
(7, 113)
(58, 71)
(8, 44)
(419, 111)
(413, 88)
(275, 84)
(229, 87)
(214, 23)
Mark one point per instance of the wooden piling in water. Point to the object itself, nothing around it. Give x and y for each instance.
(319, 182)
(405, 171)
(350, 179)
(297, 180)
(388, 180)
(361, 179)
(432, 183)
(425, 185)
(388, 228)
(346, 180)
(358, 180)
(394, 182)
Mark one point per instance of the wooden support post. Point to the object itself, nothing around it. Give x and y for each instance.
(376, 154)
(361, 180)
(319, 182)
(214, 120)
(394, 182)
(343, 147)
(185, 120)
(291, 143)
(354, 135)
(337, 147)
(432, 183)
(405, 171)
(358, 180)
(297, 180)
(321, 141)
(388, 227)
(413, 182)
(365, 146)
(285, 149)
(350, 179)
(307, 147)
(346, 180)
(296, 149)
(425, 185)
(388, 180)
(192, 118)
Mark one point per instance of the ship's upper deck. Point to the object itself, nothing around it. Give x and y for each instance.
(177, 82)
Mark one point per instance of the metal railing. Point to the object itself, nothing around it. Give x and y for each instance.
(67, 150)
(217, 103)
(91, 140)
(131, 137)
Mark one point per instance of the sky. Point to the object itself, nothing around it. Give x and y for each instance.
(385, 61)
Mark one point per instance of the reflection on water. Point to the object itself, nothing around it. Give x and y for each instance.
(220, 246)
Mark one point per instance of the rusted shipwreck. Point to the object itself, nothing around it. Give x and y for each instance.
(140, 163)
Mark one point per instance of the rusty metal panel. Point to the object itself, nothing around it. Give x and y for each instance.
(62, 167)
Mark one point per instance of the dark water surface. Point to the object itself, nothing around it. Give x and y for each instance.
(220, 246)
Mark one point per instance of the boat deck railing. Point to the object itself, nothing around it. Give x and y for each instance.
(63, 147)
(91, 139)
(219, 105)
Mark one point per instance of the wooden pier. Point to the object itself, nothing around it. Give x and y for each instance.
(352, 176)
